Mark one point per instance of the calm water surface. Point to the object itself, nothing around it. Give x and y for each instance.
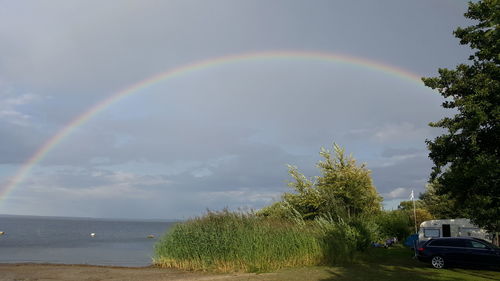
(68, 240)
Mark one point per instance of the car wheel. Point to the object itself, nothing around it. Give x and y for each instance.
(437, 262)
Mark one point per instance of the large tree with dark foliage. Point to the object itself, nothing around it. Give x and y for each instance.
(441, 206)
(466, 157)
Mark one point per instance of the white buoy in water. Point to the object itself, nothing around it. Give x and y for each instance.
(2, 232)
(92, 234)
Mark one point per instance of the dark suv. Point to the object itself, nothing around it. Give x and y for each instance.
(441, 252)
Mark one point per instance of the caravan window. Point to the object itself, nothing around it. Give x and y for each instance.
(429, 233)
(469, 231)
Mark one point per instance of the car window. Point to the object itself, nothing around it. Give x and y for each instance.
(488, 244)
(438, 243)
(478, 245)
(448, 243)
(457, 243)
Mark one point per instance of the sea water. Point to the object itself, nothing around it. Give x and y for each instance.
(30, 239)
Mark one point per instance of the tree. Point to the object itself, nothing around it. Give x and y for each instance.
(441, 206)
(408, 205)
(344, 189)
(421, 212)
(466, 157)
(394, 224)
(422, 215)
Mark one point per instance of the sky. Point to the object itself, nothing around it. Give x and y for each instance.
(222, 135)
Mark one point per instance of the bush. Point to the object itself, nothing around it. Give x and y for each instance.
(281, 210)
(338, 240)
(394, 224)
(368, 232)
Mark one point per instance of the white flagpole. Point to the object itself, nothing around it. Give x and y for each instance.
(414, 211)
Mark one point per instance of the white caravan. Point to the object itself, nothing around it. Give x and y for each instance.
(451, 228)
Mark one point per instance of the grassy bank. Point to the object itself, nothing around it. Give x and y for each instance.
(380, 264)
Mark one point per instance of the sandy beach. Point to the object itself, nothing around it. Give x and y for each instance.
(17, 272)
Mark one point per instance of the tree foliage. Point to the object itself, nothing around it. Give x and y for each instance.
(394, 224)
(343, 189)
(421, 211)
(441, 206)
(408, 205)
(466, 157)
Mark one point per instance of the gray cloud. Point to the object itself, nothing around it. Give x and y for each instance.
(394, 152)
(220, 136)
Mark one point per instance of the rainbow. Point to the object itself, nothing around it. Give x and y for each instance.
(186, 69)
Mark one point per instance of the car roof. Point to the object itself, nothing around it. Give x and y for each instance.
(456, 238)
(465, 238)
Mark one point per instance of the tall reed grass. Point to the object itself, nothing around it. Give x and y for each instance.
(230, 242)
(225, 241)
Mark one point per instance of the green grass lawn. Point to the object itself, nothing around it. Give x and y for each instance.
(379, 264)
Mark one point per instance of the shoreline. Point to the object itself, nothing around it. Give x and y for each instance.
(72, 265)
(81, 272)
